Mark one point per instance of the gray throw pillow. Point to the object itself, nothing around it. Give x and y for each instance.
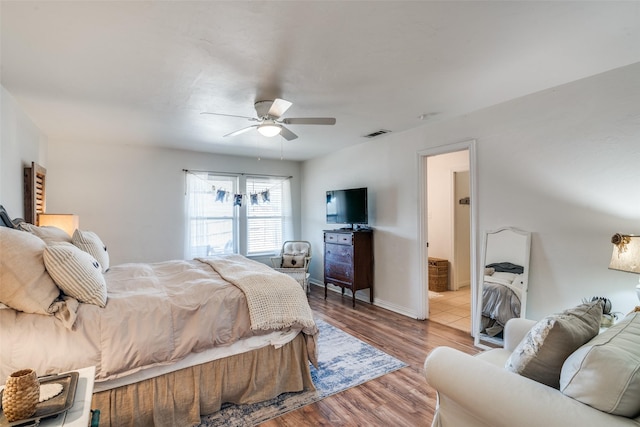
(549, 343)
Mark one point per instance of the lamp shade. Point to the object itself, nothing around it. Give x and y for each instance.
(626, 253)
(67, 222)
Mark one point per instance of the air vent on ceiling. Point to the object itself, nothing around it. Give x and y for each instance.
(377, 133)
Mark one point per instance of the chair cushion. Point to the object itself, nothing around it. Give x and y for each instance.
(296, 248)
(547, 345)
(605, 372)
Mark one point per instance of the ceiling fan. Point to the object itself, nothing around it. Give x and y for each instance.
(269, 120)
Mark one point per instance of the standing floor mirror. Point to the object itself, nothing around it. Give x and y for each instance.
(504, 282)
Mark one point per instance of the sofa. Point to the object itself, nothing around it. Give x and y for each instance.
(598, 381)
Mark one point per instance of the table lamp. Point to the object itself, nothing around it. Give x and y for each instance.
(67, 222)
(626, 254)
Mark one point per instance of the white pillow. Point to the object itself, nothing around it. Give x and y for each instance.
(77, 273)
(293, 261)
(25, 285)
(605, 372)
(502, 275)
(47, 233)
(89, 242)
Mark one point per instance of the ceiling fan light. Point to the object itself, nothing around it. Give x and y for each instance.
(269, 129)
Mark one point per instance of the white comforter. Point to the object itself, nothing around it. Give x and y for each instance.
(156, 314)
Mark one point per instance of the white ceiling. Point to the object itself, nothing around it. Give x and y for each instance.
(141, 72)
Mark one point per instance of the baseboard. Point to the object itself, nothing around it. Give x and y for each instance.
(362, 296)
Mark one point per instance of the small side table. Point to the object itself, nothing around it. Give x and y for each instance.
(80, 413)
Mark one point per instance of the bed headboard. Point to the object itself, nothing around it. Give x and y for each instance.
(5, 219)
(35, 201)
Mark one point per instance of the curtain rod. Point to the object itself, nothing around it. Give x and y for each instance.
(237, 173)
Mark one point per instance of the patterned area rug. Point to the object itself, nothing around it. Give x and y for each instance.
(343, 362)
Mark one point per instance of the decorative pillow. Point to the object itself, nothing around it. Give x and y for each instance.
(488, 271)
(89, 242)
(518, 280)
(77, 273)
(547, 345)
(507, 277)
(605, 372)
(292, 261)
(25, 285)
(47, 233)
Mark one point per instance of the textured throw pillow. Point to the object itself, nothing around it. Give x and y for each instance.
(605, 372)
(89, 242)
(24, 283)
(292, 261)
(77, 273)
(547, 345)
(47, 233)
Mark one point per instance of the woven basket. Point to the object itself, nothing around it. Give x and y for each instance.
(20, 395)
(438, 274)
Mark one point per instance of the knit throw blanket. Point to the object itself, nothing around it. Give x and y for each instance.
(275, 300)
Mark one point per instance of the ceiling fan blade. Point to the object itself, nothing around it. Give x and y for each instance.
(239, 131)
(287, 134)
(279, 107)
(310, 121)
(230, 115)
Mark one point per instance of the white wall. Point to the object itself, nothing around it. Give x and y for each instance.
(21, 143)
(563, 163)
(440, 211)
(133, 197)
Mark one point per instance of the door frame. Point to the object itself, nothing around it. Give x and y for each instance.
(470, 147)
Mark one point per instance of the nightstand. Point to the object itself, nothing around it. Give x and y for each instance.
(79, 414)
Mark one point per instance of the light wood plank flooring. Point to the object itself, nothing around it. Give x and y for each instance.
(401, 398)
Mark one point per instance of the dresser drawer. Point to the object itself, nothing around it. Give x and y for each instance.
(339, 272)
(334, 252)
(340, 238)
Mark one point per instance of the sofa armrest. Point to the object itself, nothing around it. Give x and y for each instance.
(496, 397)
(514, 330)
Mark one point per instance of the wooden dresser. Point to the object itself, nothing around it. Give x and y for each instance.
(348, 260)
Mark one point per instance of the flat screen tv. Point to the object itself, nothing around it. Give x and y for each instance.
(347, 206)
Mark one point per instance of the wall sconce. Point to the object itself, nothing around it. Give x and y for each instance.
(626, 254)
(67, 222)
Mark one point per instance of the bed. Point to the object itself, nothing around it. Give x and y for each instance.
(170, 341)
(501, 296)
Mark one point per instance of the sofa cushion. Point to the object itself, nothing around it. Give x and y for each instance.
(605, 372)
(547, 345)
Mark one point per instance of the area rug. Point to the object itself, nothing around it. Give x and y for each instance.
(343, 362)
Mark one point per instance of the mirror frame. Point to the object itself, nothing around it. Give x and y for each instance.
(478, 338)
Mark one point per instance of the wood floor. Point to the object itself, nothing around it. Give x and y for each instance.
(401, 398)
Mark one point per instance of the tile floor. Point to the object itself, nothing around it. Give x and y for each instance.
(452, 308)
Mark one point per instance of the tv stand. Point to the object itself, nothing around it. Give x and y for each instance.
(348, 260)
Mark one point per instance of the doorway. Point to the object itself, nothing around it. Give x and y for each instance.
(448, 223)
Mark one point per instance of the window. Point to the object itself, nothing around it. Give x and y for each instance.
(242, 214)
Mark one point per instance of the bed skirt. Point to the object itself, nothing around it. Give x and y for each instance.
(179, 398)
